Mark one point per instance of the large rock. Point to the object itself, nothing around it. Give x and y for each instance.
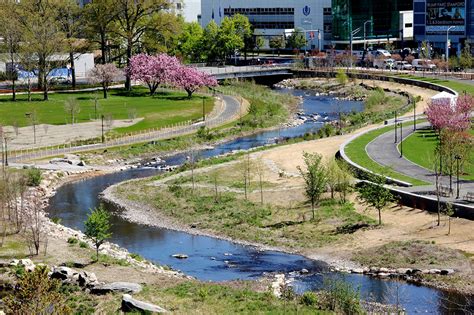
(87, 279)
(447, 271)
(125, 287)
(65, 274)
(130, 304)
(27, 264)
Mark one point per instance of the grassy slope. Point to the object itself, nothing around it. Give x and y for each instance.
(420, 146)
(159, 110)
(235, 217)
(355, 150)
(455, 85)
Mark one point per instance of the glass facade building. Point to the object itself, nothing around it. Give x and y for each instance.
(433, 19)
(348, 15)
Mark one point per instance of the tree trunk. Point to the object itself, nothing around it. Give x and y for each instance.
(380, 216)
(190, 93)
(104, 88)
(73, 70)
(97, 251)
(103, 47)
(13, 90)
(312, 208)
(45, 86)
(128, 83)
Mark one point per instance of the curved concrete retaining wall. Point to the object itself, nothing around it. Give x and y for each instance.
(374, 76)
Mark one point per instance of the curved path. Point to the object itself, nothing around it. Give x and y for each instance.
(385, 151)
(228, 110)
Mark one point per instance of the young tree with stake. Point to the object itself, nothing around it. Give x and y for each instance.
(375, 194)
(314, 177)
(97, 227)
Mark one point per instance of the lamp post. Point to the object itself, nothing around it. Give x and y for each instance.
(352, 36)
(33, 122)
(103, 137)
(396, 140)
(458, 158)
(447, 46)
(203, 110)
(365, 34)
(401, 140)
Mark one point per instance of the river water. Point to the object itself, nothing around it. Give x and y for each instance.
(212, 259)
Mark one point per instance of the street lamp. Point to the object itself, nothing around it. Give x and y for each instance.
(447, 46)
(458, 158)
(103, 137)
(352, 36)
(33, 122)
(401, 140)
(396, 140)
(365, 34)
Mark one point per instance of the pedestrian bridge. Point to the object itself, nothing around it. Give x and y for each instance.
(234, 72)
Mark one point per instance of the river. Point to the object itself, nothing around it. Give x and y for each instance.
(213, 259)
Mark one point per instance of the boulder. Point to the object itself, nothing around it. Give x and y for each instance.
(435, 271)
(27, 264)
(384, 270)
(404, 271)
(357, 270)
(383, 275)
(304, 270)
(130, 304)
(446, 272)
(65, 274)
(87, 279)
(180, 256)
(125, 287)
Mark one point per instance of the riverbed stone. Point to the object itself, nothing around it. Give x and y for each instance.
(357, 270)
(125, 287)
(129, 304)
(446, 272)
(435, 271)
(180, 256)
(383, 274)
(403, 271)
(62, 273)
(384, 270)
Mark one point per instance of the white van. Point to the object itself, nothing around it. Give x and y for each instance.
(423, 64)
(384, 63)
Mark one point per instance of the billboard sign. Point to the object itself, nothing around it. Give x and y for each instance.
(441, 14)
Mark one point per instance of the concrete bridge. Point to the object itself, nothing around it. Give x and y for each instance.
(234, 72)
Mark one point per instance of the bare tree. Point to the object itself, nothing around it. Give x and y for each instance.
(260, 169)
(72, 108)
(34, 223)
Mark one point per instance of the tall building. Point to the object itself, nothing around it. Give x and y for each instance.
(276, 17)
(371, 20)
(438, 20)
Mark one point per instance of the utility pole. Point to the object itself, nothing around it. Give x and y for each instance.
(447, 47)
(103, 137)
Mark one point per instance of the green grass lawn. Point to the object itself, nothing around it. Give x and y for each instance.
(420, 146)
(160, 110)
(355, 150)
(455, 85)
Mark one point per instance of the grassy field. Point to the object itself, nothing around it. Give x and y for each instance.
(355, 150)
(160, 110)
(420, 147)
(455, 85)
(231, 215)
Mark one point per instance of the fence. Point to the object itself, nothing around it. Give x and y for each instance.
(220, 115)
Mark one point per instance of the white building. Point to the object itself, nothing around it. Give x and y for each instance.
(276, 17)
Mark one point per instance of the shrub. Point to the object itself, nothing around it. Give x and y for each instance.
(72, 240)
(309, 299)
(34, 177)
(83, 244)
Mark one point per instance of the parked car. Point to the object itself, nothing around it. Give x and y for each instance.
(403, 65)
(384, 63)
(423, 64)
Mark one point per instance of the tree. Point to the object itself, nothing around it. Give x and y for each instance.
(34, 223)
(260, 169)
(278, 43)
(72, 108)
(72, 26)
(375, 194)
(133, 18)
(105, 75)
(449, 212)
(97, 227)
(42, 35)
(189, 42)
(344, 181)
(233, 33)
(163, 34)
(210, 40)
(332, 176)
(36, 293)
(153, 70)
(296, 40)
(190, 79)
(341, 77)
(465, 60)
(11, 34)
(98, 15)
(314, 177)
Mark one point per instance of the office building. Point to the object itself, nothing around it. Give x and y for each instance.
(435, 21)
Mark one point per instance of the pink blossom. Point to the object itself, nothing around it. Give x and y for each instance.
(105, 75)
(442, 115)
(190, 79)
(153, 70)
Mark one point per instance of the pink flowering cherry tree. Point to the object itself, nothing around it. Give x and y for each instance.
(442, 115)
(190, 79)
(105, 75)
(153, 70)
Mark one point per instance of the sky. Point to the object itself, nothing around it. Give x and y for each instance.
(191, 10)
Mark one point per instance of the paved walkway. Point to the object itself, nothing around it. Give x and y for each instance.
(384, 151)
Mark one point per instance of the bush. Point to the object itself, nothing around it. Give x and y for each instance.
(83, 244)
(72, 240)
(309, 299)
(34, 177)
